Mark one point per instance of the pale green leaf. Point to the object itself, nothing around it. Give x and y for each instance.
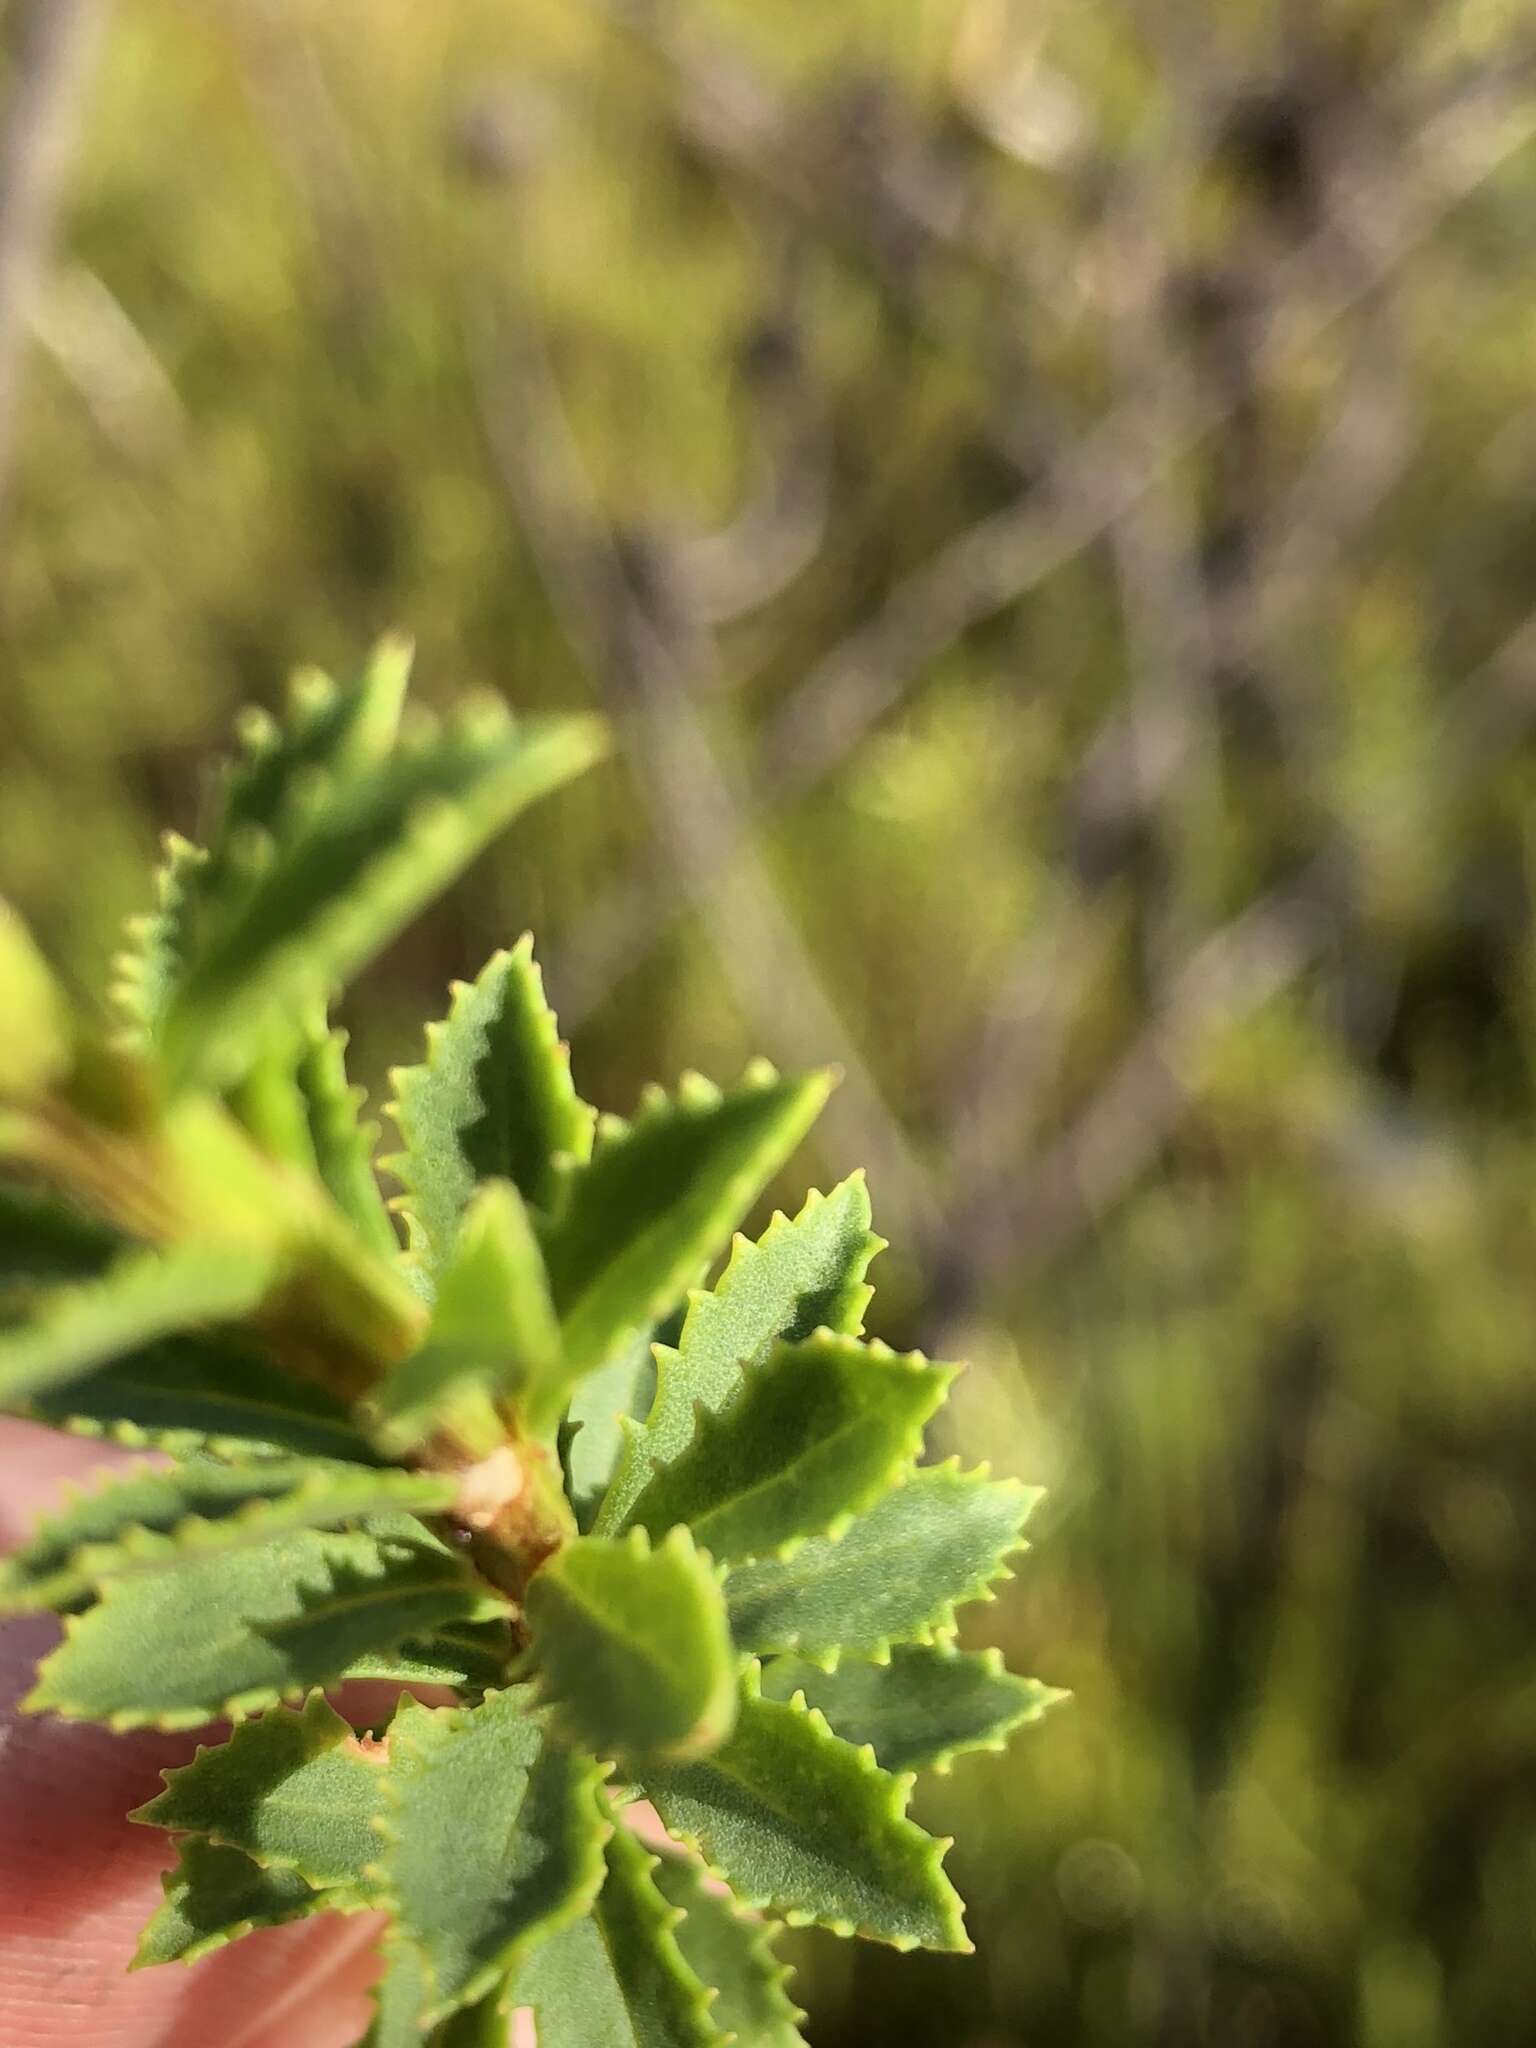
(593, 1434)
(237, 1632)
(214, 1896)
(807, 1826)
(818, 1430)
(485, 2024)
(296, 915)
(293, 1790)
(660, 1196)
(800, 1276)
(618, 1979)
(493, 1339)
(733, 1952)
(493, 1100)
(212, 1391)
(399, 1998)
(343, 1145)
(158, 1520)
(897, 1574)
(632, 1645)
(491, 1839)
(926, 1706)
(146, 1295)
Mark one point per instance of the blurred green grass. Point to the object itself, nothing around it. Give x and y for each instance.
(1174, 912)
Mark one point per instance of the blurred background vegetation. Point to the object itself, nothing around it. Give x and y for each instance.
(1044, 491)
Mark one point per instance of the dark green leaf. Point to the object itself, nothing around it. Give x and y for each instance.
(234, 1633)
(618, 1978)
(491, 1839)
(292, 1790)
(806, 1825)
(493, 1100)
(291, 917)
(897, 1574)
(659, 1198)
(214, 1896)
(44, 1241)
(156, 1520)
(799, 1277)
(922, 1709)
(819, 1430)
(343, 1145)
(732, 1952)
(206, 1392)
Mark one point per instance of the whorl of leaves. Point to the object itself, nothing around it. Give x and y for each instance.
(713, 1572)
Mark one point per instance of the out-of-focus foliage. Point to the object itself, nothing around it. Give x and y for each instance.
(1044, 493)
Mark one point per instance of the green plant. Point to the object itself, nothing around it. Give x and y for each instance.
(659, 1540)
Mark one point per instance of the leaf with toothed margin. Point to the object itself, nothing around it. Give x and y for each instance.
(293, 1790)
(399, 1998)
(296, 915)
(229, 1634)
(811, 1828)
(493, 1100)
(799, 1277)
(632, 1645)
(146, 1295)
(343, 1145)
(208, 1392)
(326, 731)
(734, 1953)
(593, 1433)
(929, 1704)
(819, 1430)
(214, 1896)
(619, 1978)
(490, 1839)
(485, 2024)
(471, 1656)
(493, 1341)
(896, 1574)
(44, 1241)
(154, 1520)
(660, 1196)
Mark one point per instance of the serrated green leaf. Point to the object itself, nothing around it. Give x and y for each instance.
(819, 1430)
(399, 1998)
(659, 1197)
(238, 1632)
(37, 1047)
(214, 1896)
(897, 1574)
(155, 954)
(801, 1276)
(593, 1434)
(493, 1100)
(490, 1839)
(292, 1790)
(806, 1825)
(299, 913)
(471, 1656)
(493, 1339)
(343, 1144)
(144, 1296)
(156, 1520)
(619, 1979)
(209, 1392)
(926, 1706)
(44, 1241)
(733, 1952)
(632, 1645)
